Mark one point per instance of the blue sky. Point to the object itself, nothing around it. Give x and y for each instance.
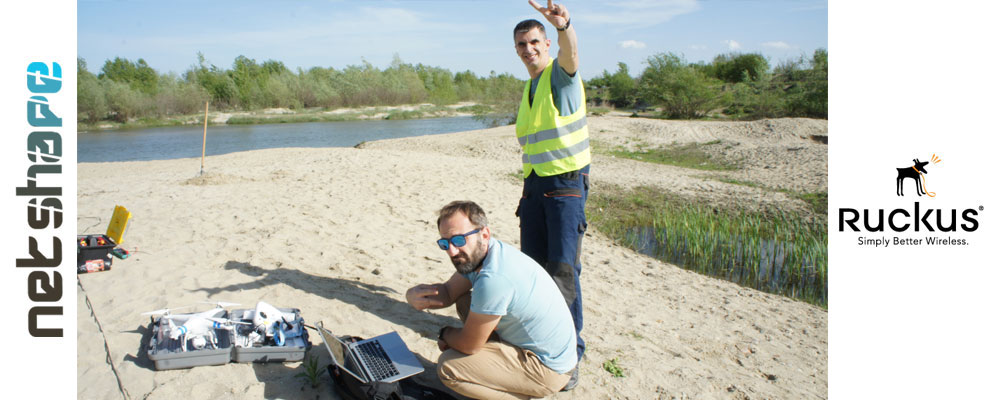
(457, 35)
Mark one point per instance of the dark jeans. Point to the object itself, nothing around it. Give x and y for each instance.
(552, 227)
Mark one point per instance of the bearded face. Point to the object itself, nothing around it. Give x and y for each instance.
(458, 229)
(467, 258)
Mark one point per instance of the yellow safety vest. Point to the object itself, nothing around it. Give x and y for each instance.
(551, 144)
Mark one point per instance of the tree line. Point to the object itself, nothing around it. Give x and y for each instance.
(737, 85)
(740, 86)
(125, 90)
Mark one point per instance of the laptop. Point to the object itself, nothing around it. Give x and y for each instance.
(384, 358)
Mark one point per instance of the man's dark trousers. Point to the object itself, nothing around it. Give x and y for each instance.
(552, 227)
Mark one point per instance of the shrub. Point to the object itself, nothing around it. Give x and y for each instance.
(736, 68)
(680, 89)
(807, 94)
(503, 94)
(137, 75)
(125, 103)
(621, 87)
(754, 100)
(91, 106)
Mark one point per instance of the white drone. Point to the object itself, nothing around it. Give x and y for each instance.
(198, 327)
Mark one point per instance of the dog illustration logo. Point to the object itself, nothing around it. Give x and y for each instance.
(915, 171)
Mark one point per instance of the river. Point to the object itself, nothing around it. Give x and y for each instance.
(185, 142)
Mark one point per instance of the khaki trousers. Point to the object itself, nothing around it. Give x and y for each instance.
(499, 370)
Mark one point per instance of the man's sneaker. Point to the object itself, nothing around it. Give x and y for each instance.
(574, 379)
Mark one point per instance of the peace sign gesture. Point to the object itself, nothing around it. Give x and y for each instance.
(556, 14)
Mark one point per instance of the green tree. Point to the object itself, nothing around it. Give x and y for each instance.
(438, 83)
(736, 68)
(250, 80)
(402, 84)
(217, 82)
(317, 88)
(467, 85)
(138, 75)
(503, 94)
(596, 89)
(124, 102)
(679, 88)
(807, 89)
(754, 99)
(91, 106)
(750, 92)
(178, 96)
(621, 87)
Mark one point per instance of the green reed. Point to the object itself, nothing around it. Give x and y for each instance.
(772, 250)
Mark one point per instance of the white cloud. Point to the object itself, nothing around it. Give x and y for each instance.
(698, 47)
(390, 17)
(634, 14)
(777, 45)
(732, 44)
(632, 44)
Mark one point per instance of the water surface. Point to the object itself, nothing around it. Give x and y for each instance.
(184, 142)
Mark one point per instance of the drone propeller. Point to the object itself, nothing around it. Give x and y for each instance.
(163, 311)
(221, 304)
(226, 321)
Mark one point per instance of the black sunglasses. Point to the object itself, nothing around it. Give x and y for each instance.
(457, 240)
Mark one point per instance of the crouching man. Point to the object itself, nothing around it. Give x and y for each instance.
(517, 339)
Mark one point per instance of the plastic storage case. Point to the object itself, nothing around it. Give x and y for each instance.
(93, 251)
(294, 349)
(167, 353)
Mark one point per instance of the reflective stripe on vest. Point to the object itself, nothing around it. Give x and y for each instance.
(553, 155)
(553, 133)
(551, 144)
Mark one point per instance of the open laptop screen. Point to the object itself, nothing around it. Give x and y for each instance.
(336, 349)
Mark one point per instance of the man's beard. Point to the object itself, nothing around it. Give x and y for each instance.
(473, 263)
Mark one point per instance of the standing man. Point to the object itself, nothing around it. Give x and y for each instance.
(552, 131)
(517, 338)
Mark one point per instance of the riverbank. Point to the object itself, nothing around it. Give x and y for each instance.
(284, 115)
(340, 233)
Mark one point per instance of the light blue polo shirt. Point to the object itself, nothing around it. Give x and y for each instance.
(534, 315)
(565, 89)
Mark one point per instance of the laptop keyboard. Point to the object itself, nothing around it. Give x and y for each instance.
(377, 361)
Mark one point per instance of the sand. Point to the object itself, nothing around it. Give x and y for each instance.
(341, 233)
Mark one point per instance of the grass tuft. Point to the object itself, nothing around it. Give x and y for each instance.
(613, 368)
(312, 372)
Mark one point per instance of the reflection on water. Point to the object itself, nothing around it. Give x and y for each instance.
(185, 142)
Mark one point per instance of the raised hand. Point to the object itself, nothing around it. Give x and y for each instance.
(556, 14)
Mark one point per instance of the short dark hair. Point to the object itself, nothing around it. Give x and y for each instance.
(472, 210)
(528, 25)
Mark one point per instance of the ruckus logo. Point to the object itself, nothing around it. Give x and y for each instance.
(919, 218)
(915, 171)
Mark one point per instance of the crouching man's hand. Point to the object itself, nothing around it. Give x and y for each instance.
(442, 342)
(422, 297)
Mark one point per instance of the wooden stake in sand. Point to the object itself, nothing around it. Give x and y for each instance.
(204, 135)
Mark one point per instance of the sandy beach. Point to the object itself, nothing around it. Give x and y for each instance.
(341, 233)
